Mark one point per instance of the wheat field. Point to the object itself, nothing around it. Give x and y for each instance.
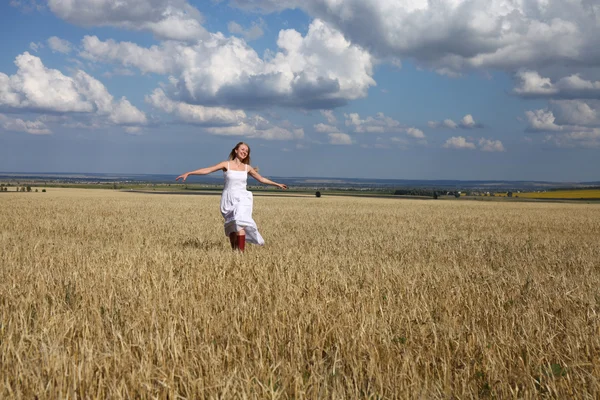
(125, 295)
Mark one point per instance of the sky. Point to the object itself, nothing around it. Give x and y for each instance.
(390, 89)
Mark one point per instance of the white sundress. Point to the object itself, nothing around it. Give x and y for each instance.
(236, 206)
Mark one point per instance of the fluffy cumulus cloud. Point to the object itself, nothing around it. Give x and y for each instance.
(339, 138)
(381, 123)
(468, 122)
(319, 70)
(576, 112)
(166, 19)
(258, 127)
(59, 45)
(459, 142)
(541, 120)
(223, 121)
(564, 115)
(491, 145)
(324, 128)
(572, 116)
(37, 88)
(329, 116)
(483, 144)
(155, 59)
(585, 139)
(36, 127)
(378, 124)
(532, 84)
(567, 123)
(447, 123)
(334, 135)
(454, 35)
(416, 133)
(195, 114)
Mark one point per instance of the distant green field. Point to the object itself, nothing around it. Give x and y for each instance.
(563, 194)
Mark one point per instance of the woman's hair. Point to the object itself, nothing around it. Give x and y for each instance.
(232, 154)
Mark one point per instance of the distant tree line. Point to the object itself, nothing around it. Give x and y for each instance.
(414, 192)
(426, 192)
(4, 188)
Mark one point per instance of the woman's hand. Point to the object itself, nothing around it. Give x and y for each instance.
(183, 177)
(282, 186)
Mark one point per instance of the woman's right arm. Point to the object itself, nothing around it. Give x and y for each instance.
(203, 171)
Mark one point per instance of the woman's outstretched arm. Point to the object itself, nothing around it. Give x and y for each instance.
(203, 171)
(252, 172)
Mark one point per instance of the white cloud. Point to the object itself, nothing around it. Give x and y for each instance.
(541, 120)
(581, 139)
(381, 124)
(378, 124)
(487, 145)
(324, 128)
(453, 35)
(254, 32)
(339, 139)
(573, 113)
(532, 84)
(124, 113)
(27, 5)
(416, 133)
(329, 116)
(57, 44)
(490, 145)
(194, 114)
(448, 123)
(570, 123)
(319, 70)
(467, 122)
(158, 60)
(18, 125)
(576, 112)
(459, 142)
(259, 128)
(166, 19)
(36, 46)
(37, 88)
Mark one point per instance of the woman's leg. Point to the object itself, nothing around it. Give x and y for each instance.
(233, 240)
(241, 239)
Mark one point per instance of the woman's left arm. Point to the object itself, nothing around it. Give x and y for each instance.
(252, 172)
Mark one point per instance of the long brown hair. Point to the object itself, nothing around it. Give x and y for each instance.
(232, 154)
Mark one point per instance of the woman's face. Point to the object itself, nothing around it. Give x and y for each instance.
(242, 152)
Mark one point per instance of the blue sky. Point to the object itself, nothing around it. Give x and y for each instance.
(453, 89)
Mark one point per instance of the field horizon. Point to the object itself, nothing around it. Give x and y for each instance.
(119, 294)
(216, 178)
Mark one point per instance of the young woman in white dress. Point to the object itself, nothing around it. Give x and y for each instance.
(236, 201)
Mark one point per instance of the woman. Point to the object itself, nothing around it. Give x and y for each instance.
(236, 201)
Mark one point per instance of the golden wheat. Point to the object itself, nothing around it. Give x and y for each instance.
(112, 294)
